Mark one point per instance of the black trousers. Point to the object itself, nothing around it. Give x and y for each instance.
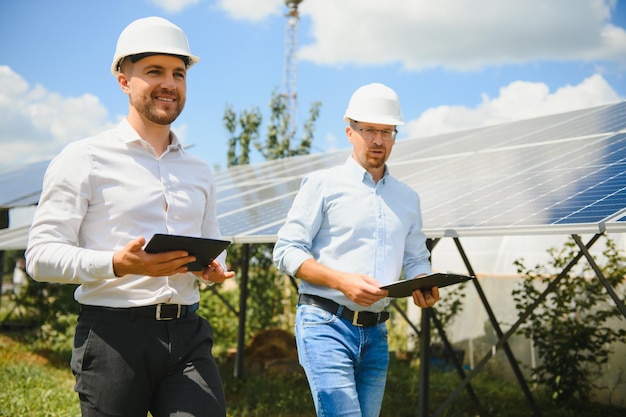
(127, 366)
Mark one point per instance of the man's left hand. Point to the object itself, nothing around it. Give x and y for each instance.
(215, 273)
(427, 298)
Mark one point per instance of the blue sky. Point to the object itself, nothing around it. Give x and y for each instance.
(456, 64)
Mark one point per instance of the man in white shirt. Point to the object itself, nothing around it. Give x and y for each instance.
(139, 345)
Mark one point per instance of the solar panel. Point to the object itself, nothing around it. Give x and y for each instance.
(563, 173)
(549, 183)
(259, 196)
(21, 187)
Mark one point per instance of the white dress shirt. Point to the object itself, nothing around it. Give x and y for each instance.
(100, 193)
(347, 222)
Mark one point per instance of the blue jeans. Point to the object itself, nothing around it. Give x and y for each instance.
(346, 365)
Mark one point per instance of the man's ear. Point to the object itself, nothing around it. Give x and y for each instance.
(124, 82)
(349, 133)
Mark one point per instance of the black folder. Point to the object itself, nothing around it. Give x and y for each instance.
(204, 249)
(405, 287)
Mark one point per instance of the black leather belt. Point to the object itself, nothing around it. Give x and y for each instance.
(156, 312)
(357, 318)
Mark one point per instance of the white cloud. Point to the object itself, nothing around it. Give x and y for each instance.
(453, 34)
(35, 123)
(459, 34)
(174, 6)
(252, 10)
(518, 100)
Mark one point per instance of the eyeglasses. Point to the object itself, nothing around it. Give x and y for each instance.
(370, 134)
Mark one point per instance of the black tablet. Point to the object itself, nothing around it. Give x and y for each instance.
(405, 287)
(205, 250)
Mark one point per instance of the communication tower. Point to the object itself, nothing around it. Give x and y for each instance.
(291, 64)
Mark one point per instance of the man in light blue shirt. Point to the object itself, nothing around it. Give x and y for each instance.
(352, 229)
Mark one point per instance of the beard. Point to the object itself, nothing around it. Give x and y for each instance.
(151, 111)
(375, 161)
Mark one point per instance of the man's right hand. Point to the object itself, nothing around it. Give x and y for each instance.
(134, 260)
(362, 289)
(359, 288)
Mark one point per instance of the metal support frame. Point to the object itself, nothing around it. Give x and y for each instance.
(502, 338)
(619, 303)
(429, 314)
(502, 341)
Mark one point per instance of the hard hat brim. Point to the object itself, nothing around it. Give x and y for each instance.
(115, 66)
(376, 119)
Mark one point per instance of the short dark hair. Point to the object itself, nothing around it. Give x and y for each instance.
(136, 57)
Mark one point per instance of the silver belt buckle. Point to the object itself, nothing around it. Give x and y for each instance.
(158, 313)
(355, 319)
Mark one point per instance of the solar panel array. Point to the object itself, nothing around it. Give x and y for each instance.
(564, 173)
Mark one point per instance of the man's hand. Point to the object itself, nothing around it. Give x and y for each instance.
(362, 289)
(359, 288)
(134, 260)
(215, 273)
(427, 298)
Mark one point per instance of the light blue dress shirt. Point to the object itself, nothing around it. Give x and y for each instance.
(347, 222)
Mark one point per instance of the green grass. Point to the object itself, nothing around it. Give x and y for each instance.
(33, 385)
(38, 384)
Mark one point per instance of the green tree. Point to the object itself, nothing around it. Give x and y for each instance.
(569, 328)
(280, 142)
(239, 144)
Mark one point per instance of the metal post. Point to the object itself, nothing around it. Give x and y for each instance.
(424, 364)
(243, 297)
(4, 223)
(425, 349)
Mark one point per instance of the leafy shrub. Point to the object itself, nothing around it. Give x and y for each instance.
(569, 327)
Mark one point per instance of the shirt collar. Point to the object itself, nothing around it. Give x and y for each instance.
(129, 134)
(175, 142)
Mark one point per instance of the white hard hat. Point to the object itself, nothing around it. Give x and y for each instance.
(375, 103)
(151, 35)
